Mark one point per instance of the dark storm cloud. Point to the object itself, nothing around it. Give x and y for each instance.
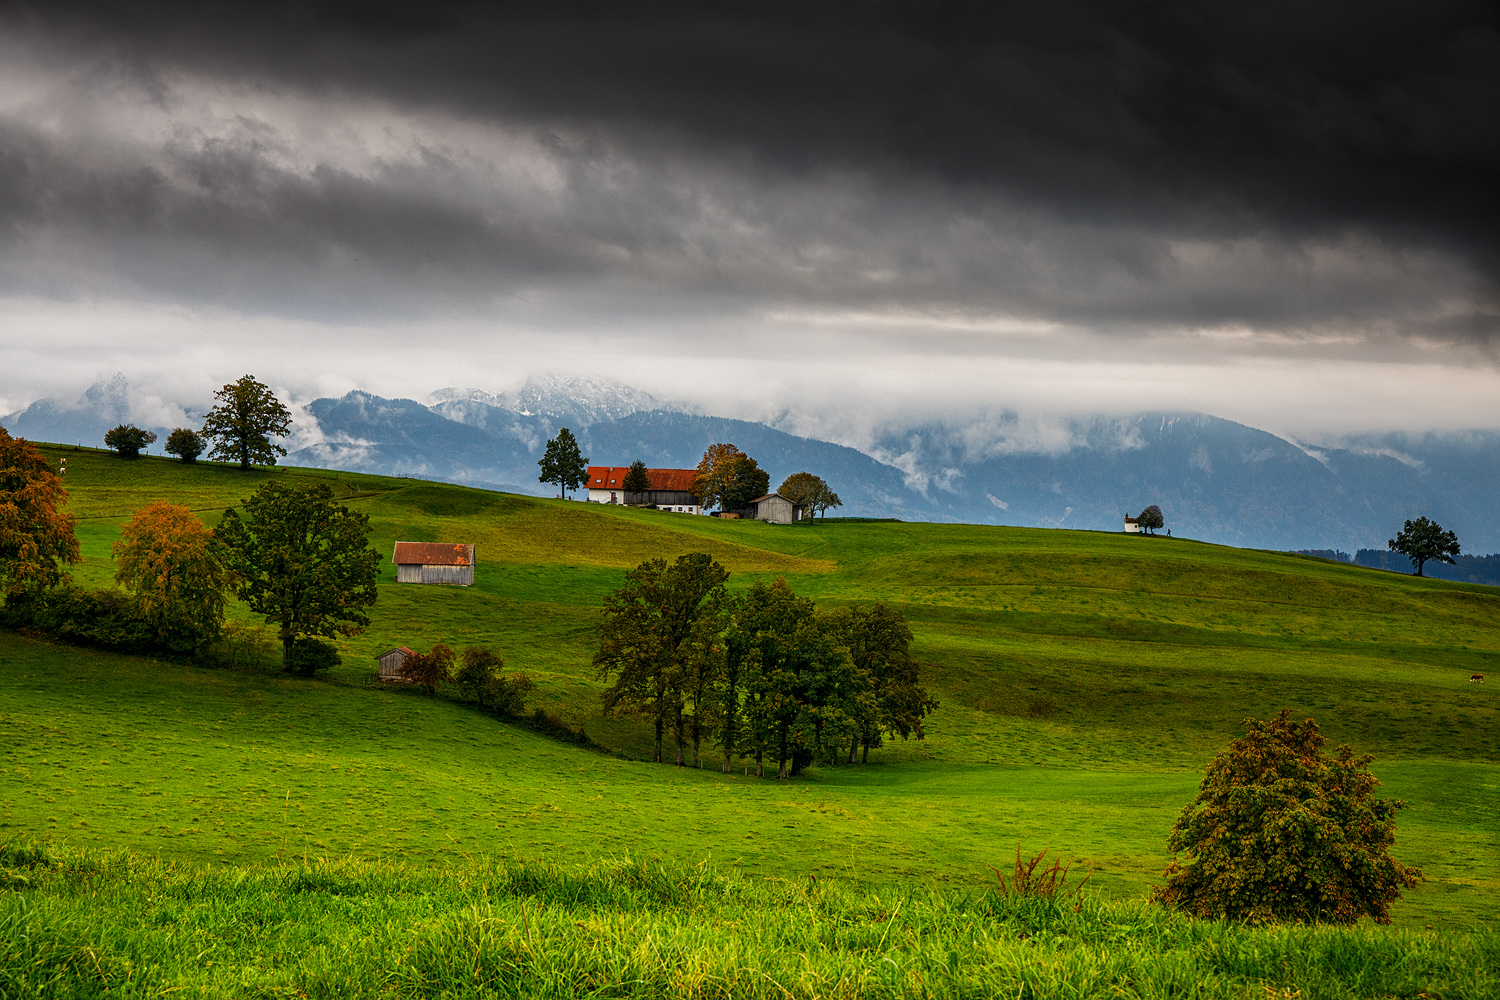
(1284, 166)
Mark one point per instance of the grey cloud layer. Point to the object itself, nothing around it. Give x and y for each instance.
(1290, 170)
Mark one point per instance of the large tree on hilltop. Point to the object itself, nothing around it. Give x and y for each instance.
(563, 464)
(302, 561)
(243, 422)
(36, 537)
(1424, 541)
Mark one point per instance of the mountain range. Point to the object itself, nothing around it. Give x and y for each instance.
(1214, 479)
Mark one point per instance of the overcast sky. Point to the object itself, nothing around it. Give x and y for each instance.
(830, 215)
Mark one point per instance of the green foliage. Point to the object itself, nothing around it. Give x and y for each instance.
(879, 642)
(656, 641)
(480, 678)
(637, 479)
(810, 492)
(1151, 519)
(430, 669)
(127, 440)
(563, 464)
(104, 619)
(1282, 831)
(309, 655)
(302, 561)
(241, 425)
(728, 478)
(1424, 541)
(36, 537)
(185, 443)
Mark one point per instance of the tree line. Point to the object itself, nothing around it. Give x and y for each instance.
(760, 674)
(240, 426)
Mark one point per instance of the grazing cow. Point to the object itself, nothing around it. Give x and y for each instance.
(62, 470)
(1477, 678)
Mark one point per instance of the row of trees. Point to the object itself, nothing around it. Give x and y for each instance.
(760, 674)
(240, 426)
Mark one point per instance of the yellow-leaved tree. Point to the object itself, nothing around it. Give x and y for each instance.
(166, 557)
(36, 537)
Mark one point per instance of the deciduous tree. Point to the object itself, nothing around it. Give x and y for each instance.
(656, 637)
(728, 479)
(1423, 541)
(243, 422)
(879, 641)
(1151, 519)
(810, 492)
(127, 440)
(185, 444)
(562, 463)
(36, 537)
(166, 557)
(480, 678)
(429, 669)
(302, 561)
(1283, 831)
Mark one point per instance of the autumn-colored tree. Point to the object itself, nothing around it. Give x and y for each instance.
(809, 492)
(241, 426)
(36, 537)
(728, 479)
(431, 668)
(127, 440)
(166, 557)
(302, 561)
(1283, 831)
(185, 444)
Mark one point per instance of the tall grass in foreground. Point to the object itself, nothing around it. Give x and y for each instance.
(78, 924)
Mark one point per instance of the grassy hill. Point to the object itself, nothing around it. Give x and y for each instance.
(1084, 680)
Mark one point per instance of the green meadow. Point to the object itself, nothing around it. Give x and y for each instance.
(1084, 678)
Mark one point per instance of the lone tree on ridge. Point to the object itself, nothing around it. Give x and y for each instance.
(1151, 519)
(810, 492)
(562, 463)
(1424, 541)
(127, 440)
(185, 444)
(241, 425)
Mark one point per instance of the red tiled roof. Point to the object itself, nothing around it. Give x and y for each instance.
(433, 554)
(604, 477)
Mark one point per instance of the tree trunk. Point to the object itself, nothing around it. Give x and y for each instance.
(864, 756)
(658, 740)
(760, 767)
(286, 648)
(853, 746)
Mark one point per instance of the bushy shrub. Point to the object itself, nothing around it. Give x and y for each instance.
(430, 669)
(128, 440)
(1282, 831)
(309, 655)
(107, 619)
(480, 678)
(185, 444)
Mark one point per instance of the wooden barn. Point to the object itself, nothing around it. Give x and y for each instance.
(391, 662)
(775, 508)
(450, 563)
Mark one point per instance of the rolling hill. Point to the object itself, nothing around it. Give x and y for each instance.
(1084, 680)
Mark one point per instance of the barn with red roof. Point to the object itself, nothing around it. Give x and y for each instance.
(450, 563)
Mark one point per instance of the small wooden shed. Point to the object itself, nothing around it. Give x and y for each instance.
(391, 662)
(776, 509)
(449, 563)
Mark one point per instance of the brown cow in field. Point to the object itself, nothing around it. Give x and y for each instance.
(1477, 677)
